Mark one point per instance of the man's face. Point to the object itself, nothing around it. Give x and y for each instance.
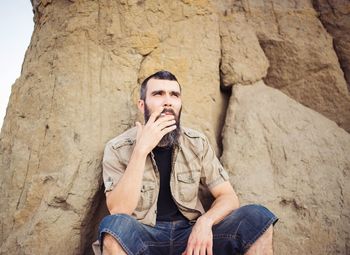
(167, 94)
(163, 93)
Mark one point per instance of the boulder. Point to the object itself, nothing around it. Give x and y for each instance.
(335, 17)
(294, 161)
(243, 60)
(302, 61)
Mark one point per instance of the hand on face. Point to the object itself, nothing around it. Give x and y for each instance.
(149, 135)
(200, 241)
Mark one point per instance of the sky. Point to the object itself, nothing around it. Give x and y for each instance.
(16, 27)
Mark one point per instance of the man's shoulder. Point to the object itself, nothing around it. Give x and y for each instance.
(128, 137)
(190, 133)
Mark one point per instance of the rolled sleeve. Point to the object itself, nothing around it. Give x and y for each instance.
(112, 168)
(213, 172)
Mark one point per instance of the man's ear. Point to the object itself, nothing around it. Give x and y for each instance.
(141, 105)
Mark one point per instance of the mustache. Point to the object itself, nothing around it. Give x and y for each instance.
(165, 111)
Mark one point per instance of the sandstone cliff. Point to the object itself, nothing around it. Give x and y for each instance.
(260, 78)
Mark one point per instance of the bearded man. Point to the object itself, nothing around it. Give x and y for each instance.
(154, 174)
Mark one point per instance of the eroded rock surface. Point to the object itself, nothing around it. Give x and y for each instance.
(302, 61)
(335, 16)
(80, 82)
(293, 160)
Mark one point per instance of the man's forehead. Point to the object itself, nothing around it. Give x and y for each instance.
(166, 85)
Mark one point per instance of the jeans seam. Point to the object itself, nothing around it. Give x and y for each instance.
(160, 244)
(141, 250)
(226, 236)
(173, 225)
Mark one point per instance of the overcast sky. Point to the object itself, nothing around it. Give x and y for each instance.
(16, 29)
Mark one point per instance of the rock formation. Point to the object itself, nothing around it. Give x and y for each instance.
(302, 60)
(296, 162)
(79, 85)
(335, 16)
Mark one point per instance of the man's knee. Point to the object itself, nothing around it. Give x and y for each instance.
(269, 232)
(266, 237)
(111, 245)
(263, 245)
(115, 234)
(109, 241)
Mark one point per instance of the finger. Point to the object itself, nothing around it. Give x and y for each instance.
(189, 249)
(155, 114)
(196, 250)
(165, 124)
(167, 130)
(203, 250)
(164, 118)
(210, 250)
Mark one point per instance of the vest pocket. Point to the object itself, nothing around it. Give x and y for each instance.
(146, 196)
(188, 186)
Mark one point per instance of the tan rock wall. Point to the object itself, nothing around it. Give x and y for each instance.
(293, 160)
(78, 89)
(79, 86)
(302, 60)
(243, 60)
(335, 16)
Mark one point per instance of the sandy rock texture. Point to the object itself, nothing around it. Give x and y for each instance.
(78, 89)
(302, 61)
(335, 16)
(243, 60)
(80, 82)
(293, 160)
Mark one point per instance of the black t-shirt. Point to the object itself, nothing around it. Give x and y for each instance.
(166, 207)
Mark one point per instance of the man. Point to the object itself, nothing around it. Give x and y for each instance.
(154, 175)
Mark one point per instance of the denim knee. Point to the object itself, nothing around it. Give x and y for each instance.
(240, 229)
(256, 215)
(124, 229)
(259, 218)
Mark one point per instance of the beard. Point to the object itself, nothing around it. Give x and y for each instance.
(171, 138)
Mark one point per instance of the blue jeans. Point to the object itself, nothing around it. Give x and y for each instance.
(233, 235)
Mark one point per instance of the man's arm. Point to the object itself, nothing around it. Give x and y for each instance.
(201, 237)
(124, 197)
(225, 202)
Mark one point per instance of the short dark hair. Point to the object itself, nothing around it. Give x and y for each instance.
(160, 75)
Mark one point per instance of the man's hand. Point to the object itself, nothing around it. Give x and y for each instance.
(149, 135)
(200, 241)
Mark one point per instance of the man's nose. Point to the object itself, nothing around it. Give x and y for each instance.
(167, 101)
